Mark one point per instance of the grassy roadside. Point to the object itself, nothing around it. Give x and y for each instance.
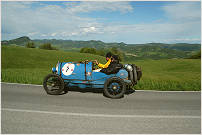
(170, 74)
(30, 66)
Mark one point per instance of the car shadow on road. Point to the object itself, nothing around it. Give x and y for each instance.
(91, 90)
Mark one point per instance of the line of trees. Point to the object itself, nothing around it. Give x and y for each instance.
(196, 56)
(92, 51)
(30, 45)
(102, 52)
(46, 46)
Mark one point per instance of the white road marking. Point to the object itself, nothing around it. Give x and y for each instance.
(163, 91)
(135, 90)
(103, 115)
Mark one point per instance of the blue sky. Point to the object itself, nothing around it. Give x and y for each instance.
(126, 21)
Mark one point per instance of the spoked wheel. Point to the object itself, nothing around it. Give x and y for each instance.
(114, 87)
(53, 84)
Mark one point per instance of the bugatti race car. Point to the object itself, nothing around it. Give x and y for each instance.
(83, 75)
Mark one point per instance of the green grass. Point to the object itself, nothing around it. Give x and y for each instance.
(19, 57)
(30, 66)
(25, 76)
(170, 74)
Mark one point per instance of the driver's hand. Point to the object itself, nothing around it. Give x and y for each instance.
(96, 62)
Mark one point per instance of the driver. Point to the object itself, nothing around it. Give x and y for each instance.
(108, 59)
(102, 66)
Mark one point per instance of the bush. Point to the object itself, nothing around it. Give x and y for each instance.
(47, 46)
(102, 52)
(196, 56)
(88, 50)
(120, 54)
(30, 45)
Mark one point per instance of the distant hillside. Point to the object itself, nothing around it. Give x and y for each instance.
(18, 41)
(68, 44)
(184, 47)
(131, 51)
(154, 52)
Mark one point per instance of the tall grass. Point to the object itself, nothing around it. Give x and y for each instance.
(25, 76)
(168, 85)
(170, 74)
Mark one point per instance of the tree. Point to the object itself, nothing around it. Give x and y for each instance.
(30, 45)
(100, 52)
(196, 56)
(120, 54)
(47, 46)
(88, 50)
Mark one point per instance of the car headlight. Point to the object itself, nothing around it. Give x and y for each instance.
(54, 70)
(128, 67)
(57, 68)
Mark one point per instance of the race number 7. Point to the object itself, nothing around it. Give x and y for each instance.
(67, 69)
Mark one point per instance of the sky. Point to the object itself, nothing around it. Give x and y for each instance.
(131, 22)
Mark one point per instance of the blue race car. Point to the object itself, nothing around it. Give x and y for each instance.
(84, 75)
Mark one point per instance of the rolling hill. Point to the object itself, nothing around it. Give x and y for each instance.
(131, 51)
(18, 41)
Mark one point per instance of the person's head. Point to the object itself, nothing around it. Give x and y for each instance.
(108, 56)
(115, 58)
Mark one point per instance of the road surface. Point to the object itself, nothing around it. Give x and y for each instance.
(28, 109)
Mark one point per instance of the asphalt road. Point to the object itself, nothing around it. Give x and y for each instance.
(28, 109)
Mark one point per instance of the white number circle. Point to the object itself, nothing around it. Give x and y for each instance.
(68, 68)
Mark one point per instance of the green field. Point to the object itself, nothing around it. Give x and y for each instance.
(26, 65)
(170, 74)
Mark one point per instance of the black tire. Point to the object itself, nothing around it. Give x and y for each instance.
(134, 73)
(53, 84)
(114, 88)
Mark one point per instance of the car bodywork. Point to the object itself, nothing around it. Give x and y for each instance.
(83, 75)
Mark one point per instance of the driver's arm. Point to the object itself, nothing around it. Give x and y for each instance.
(104, 65)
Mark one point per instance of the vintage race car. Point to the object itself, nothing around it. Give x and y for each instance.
(83, 75)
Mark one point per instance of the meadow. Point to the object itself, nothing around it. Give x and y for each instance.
(170, 74)
(31, 65)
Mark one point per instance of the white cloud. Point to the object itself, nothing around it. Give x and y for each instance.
(53, 34)
(183, 11)
(185, 21)
(49, 20)
(64, 22)
(20, 19)
(86, 6)
(89, 29)
(32, 33)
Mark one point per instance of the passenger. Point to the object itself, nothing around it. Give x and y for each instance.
(113, 67)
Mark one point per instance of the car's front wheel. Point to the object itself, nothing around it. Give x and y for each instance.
(114, 87)
(53, 84)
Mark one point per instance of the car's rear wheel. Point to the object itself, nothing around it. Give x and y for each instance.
(53, 84)
(114, 88)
